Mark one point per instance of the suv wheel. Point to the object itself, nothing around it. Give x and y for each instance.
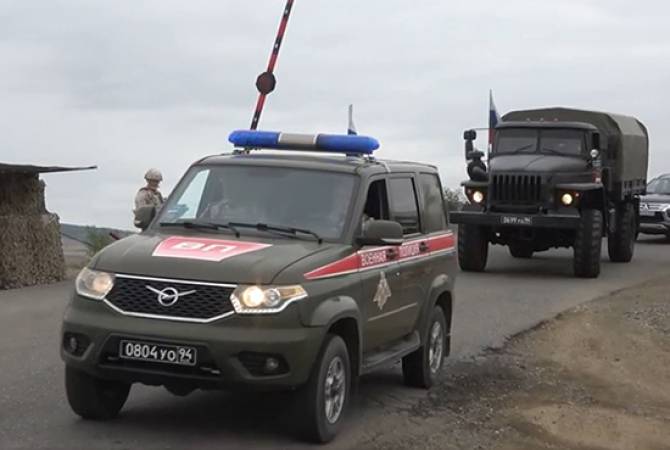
(621, 243)
(473, 248)
(325, 398)
(94, 398)
(521, 250)
(422, 367)
(588, 244)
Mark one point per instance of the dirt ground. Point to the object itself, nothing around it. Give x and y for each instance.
(597, 377)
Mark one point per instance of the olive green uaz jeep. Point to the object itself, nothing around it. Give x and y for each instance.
(275, 270)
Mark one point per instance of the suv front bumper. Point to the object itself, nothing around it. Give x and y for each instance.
(223, 347)
(491, 219)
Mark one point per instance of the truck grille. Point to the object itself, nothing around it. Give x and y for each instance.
(516, 189)
(196, 302)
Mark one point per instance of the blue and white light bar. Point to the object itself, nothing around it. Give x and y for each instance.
(335, 143)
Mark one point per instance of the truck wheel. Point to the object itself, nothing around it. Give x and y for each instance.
(521, 250)
(473, 248)
(588, 244)
(324, 400)
(621, 243)
(94, 398)
(422, 367)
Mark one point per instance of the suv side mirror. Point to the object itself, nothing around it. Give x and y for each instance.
(143, 216)
(381, 232)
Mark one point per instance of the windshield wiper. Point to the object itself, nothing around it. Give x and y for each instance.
(557, 152)
(518, 150)
(202, 225)
(277, 228)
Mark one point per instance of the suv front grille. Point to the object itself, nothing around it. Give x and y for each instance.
(197, 302)
(516, 189)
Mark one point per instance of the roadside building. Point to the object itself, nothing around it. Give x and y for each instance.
(30, 243)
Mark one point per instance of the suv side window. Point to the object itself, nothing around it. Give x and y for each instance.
(435, 218)
(376, 202)
(403, 205)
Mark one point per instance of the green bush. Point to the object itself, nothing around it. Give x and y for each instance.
(97, 240)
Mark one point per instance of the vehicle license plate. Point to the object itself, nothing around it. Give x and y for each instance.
(162, 353)
(516, 220)
(646, 212)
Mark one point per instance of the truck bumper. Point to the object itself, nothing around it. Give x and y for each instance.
(230, 352)
(655, 228)
(495, 220)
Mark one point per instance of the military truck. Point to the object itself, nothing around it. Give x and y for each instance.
(556, 177)
(270, 270)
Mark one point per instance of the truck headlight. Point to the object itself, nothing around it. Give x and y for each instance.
(567, 199)
(94, 284)
(478, 197)
(265, 299)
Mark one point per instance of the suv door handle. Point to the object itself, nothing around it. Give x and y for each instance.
(423, 247)
(391, 253)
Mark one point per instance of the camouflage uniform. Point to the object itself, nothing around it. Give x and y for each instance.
(147, 197)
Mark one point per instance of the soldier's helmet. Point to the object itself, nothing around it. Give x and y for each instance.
(153, 175)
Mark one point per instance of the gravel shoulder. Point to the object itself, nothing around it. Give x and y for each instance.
(595, 377)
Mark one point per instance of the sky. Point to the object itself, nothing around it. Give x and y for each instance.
(129, 85)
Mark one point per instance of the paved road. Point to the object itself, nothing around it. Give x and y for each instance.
(513, 296)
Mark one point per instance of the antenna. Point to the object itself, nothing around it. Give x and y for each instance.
(266, 81)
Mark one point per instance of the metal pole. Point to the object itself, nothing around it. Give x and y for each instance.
(266, 81)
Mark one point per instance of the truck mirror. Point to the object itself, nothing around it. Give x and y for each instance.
(143, 216)
(470, 135)
(595, 141)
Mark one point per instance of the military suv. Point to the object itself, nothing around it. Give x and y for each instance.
(655, 207)
(273, 270)
(556, 177)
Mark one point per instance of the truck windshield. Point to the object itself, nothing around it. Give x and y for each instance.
(290, 198)
(659, 186)
(524, 140)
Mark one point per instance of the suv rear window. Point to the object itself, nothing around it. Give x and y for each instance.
(403, 204)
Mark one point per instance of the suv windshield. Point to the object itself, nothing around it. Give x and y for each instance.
(274, 196)
(659, 186)
(525, 140)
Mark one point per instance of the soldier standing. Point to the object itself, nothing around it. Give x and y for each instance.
(149, 195)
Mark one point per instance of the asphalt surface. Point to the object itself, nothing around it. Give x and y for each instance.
(512, 296)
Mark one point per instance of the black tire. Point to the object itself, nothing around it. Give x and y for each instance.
(521, 250)
(94, 398)
(473, 248)
(621, 243)
(416, 367)
(588, 244)
(316, 427)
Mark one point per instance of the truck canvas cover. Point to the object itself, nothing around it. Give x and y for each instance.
(624, 139)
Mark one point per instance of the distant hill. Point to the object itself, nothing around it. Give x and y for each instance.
(80, 232)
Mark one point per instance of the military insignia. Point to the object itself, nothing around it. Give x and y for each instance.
(383, 292)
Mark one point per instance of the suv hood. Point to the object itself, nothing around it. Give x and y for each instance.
(655, 198)
(204, 257)
(537, 163)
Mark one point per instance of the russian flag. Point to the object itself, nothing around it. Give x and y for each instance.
(351, 129)
(494, 118)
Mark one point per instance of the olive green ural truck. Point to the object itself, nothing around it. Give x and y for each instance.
(270, 270)
(555, 178)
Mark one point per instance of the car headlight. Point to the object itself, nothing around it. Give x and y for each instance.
(265, 300)
(94, 284)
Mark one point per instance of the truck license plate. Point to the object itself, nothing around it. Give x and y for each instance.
(162, 353)
(516, 220)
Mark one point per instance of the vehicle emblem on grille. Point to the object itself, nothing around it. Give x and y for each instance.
(169, 296)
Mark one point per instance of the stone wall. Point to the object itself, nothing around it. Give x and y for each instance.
(30, 245)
